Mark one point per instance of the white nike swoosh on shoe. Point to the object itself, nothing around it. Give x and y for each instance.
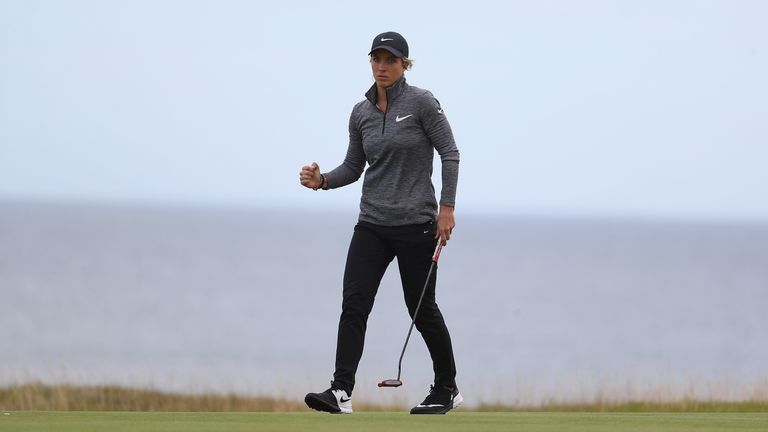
(399, 119)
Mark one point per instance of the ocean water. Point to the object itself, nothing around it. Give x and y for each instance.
(248, 301)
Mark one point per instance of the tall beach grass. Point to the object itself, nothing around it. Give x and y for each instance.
(67, 397)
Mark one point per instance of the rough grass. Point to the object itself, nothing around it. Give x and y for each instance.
(41, 397)
(681, 406)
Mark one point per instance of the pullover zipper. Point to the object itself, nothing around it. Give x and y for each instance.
(384, 121)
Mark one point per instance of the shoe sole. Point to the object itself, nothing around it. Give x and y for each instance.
(323, 406)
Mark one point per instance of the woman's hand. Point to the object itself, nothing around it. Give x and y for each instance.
(445, 224)
(310, 176)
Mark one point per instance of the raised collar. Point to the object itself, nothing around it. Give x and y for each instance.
(392, 92)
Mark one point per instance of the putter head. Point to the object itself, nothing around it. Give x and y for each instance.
(391, 383)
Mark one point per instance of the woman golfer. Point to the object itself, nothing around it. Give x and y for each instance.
(395, 130)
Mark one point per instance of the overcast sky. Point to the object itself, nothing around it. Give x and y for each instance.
(639, 108)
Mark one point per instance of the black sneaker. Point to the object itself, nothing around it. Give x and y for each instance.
(440, 400)
(333, 400)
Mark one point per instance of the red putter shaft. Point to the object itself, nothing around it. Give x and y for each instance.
(436, 255)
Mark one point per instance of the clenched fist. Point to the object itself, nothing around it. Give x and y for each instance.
(310, 176)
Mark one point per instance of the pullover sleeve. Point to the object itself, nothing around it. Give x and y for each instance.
(353, 165)
(439, 132)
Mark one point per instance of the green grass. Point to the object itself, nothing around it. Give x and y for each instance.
(28, 421)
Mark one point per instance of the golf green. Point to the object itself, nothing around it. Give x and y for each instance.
(25, 421)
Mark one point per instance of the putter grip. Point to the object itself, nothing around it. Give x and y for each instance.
(438, 249)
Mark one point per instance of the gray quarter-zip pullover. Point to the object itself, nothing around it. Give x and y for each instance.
(399, 146)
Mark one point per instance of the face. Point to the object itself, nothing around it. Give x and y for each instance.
(386, 68)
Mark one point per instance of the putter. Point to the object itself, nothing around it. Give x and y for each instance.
(397, 382)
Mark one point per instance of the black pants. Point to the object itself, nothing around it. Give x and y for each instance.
(372, 249)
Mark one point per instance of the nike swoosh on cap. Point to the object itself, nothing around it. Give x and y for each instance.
(384, 40)
(399, 119)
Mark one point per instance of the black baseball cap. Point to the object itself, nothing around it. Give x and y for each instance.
(391, 41)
